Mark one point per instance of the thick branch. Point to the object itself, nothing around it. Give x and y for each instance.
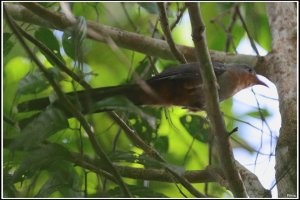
(125, 39)
(212, 106)
(210, 174)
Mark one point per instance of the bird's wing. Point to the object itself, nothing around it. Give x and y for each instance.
(186, 71)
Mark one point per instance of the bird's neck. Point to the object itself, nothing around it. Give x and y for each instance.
(230, 84)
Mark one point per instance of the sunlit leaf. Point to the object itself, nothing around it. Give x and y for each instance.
(142, 127)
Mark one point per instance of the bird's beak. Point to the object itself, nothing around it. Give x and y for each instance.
(259, 82)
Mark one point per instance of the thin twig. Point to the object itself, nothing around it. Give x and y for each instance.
(55, 59)
(247, 31)
(178, 18)
(165, 27)
(229, 30)
(128, 17)
(264, 121)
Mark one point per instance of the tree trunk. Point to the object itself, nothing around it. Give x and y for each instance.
(281, 67)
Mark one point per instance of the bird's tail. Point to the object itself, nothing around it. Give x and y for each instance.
(86, 98)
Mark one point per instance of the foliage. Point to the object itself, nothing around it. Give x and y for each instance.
(38, 157)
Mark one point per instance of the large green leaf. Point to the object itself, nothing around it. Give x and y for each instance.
(33, 83)
(197, 127)
(39, 129)
(257, 23)
(69, 45)
(36, 82)
(47, 37)
(62, 178)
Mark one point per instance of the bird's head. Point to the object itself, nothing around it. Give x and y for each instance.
(246, 75)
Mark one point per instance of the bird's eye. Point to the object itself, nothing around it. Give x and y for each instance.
(250, 70)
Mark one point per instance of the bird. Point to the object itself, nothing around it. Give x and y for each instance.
(180, 85)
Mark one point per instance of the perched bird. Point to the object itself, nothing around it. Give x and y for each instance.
(180, 86)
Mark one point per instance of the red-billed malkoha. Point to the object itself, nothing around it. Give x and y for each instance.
(180, 86)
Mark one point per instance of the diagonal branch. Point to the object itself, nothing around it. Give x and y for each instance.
(154, 154)
(166, 29)
(212, 107)
(247, 31)
(57, 61)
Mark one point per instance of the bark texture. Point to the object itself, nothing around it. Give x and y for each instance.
(281, 68)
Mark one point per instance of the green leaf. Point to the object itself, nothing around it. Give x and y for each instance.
(46, 157)
(64, 179)
(142, 127)
(69, 45)
(150, 7)
(47, 37)
(33, 83)
(39, 129)
(196, 126)
(255, 16)
(256, 114)
(161, 144)
(7, 43)
(9, 190)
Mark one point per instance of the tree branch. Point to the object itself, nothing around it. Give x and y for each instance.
(125, 39)
(166, 29)
(212, 106)
(210, 174)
